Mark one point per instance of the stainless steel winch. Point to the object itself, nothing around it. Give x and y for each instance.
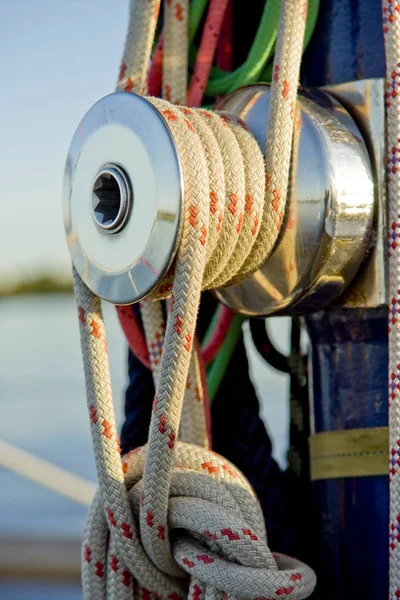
(123, 195)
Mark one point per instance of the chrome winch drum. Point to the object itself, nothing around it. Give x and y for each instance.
(122, 198)
(329, 212)
(123, 194)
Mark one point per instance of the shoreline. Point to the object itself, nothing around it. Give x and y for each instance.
(44, 284)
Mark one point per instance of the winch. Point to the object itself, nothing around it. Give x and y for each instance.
(275, 200)
(124, 190)
(122, 198)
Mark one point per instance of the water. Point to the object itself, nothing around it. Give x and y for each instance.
(42, 401)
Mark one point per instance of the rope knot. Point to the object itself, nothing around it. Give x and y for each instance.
(212, 543)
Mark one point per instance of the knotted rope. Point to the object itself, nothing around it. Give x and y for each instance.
(174, 519)
(391, 28)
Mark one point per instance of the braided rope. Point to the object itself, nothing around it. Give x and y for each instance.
(135, 59)
(176, 44)
(173, 518)
(280, 129)
(208, 46)
(391, 27)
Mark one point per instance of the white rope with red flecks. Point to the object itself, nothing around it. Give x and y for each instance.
(391, 27)
(173, 519)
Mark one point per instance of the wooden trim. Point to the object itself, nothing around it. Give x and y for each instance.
(349, 453)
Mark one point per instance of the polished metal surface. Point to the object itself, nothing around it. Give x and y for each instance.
(365, 101)
(111, 198)
(122, 255)
(326, 229)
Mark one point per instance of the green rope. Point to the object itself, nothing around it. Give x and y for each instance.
(196, 12)
(217, 369)
(258, 65)
(260, 52)
(212, 325)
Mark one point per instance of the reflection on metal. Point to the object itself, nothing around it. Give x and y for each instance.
(123, 194)
(365, 102)
(125, 132)
(326, 230)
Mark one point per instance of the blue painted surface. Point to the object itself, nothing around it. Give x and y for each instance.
(349, 357)
(347, 43)
(349, 362)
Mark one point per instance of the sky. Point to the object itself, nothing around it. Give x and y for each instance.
(57, 58)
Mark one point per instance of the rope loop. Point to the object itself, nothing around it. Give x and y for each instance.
(216, 531)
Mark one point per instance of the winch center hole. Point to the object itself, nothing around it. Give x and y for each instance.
(110, 202)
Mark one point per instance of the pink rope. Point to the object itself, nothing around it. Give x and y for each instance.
(205, 56)
(134, 334)
(218, 23)
(137, 341)
(156, 68)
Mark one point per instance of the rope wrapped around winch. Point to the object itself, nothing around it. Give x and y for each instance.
(173, 519)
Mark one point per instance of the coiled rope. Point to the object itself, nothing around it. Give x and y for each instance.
(391, 28)
(173, 519)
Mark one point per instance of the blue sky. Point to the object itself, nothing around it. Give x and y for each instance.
(57, 57)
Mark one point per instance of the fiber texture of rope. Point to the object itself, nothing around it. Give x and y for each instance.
(391, 28)
(134, 334)
(213, 341)
(208, 46)
(173, 519)
(176, 43)
(238, 434)
(218, 332)
(142, 25)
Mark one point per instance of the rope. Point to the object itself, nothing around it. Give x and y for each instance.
(142, 25)
(265, 347)
(256, 66)
(174, 519)
(312, 17)
(134, 335)
(197, 8)
(212, 27)
(260, 52)
(216, 333)
(176, 45)
(213, 340)
(224, 54)
(391, 27)
(208, 46)
(154, 82)
(219, 366)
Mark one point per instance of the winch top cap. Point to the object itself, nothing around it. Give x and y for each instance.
(123, 194)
